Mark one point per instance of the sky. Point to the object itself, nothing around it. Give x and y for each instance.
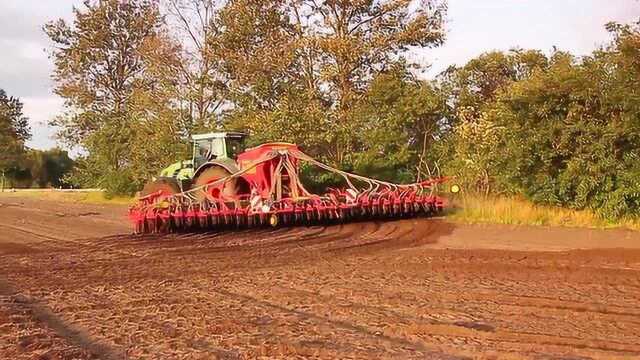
(473, 27)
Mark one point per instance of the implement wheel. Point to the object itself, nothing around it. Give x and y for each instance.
(274, 220)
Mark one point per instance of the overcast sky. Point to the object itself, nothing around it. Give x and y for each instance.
(474, 27)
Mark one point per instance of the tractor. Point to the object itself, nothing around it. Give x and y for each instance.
(213, 157)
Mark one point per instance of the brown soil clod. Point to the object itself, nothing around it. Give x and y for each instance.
(475, 326)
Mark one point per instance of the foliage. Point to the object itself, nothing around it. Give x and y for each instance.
(115, 68)
(399, 122)
(140, 76)
(304, 67)
(201, 85)
(574, 136)
(471, 148)
(40, 169)
(48, 168)
(566, 133)
(14, 131)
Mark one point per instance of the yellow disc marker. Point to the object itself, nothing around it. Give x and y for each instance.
(455, 188)
(273, 220)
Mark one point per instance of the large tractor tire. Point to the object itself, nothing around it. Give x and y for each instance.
(168, 186)
(211, 174)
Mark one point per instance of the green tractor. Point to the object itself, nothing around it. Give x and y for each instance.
(213, 157)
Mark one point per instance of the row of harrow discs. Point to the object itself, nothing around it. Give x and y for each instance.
(180, 215)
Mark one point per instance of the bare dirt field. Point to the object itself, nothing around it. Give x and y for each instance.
(75, 285)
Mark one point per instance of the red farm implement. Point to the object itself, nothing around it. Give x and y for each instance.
(266, 191)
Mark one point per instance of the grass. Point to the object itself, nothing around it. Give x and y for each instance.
(476, 209)
(94, 197)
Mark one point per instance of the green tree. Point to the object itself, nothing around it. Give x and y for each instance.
(574, 130)
(472, 145)
(401, 120)
(304, 66)
(14, 131)
(358, 40)
(273, 97)
(202, 88)
(115, 66)
(566, 133)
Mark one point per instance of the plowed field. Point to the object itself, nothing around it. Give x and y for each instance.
(75, 285)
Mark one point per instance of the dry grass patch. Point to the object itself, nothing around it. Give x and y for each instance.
(516, 211)
(89, 197)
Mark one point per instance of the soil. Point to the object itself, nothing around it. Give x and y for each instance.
(75, 284)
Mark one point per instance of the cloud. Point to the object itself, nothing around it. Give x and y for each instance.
(40, 110)
(474, 27)
(21, 24)
(25, 68)
(24, 65)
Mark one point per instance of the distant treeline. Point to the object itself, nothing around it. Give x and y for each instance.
(21, 167)
(336, 78)
(40, 169)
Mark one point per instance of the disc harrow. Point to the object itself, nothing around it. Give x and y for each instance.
(275, 196)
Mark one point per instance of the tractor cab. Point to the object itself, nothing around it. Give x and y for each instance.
(217, 146)
(214, 156)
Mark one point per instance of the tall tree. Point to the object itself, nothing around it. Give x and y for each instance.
(359, 39)
(203, 87)
(322, 56)
(471, 90)
(115, 67)
(14, 131)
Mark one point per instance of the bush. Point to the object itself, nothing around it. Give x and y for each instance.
(118, 183)
(566, 134)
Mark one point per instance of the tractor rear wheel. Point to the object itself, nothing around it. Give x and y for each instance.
(211, 174)
(168, 186)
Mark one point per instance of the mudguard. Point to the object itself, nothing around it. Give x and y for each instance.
(227, 164)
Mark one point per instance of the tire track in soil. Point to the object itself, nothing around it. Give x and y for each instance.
(456, 329)
(358, 266)
(40, 313)
(363, 330)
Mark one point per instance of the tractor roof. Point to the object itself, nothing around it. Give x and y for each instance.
(213, 135)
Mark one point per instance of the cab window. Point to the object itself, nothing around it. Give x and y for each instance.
(209, 149)
(217, 147)
(203, 148)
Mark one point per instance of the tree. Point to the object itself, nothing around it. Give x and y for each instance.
(298, 60)
(14, 131)
(400, 123)
(471, 147)
(203, 87)
(359, 39)
(46, 168)
(115, 66)
(565, 132)
(574, 136)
